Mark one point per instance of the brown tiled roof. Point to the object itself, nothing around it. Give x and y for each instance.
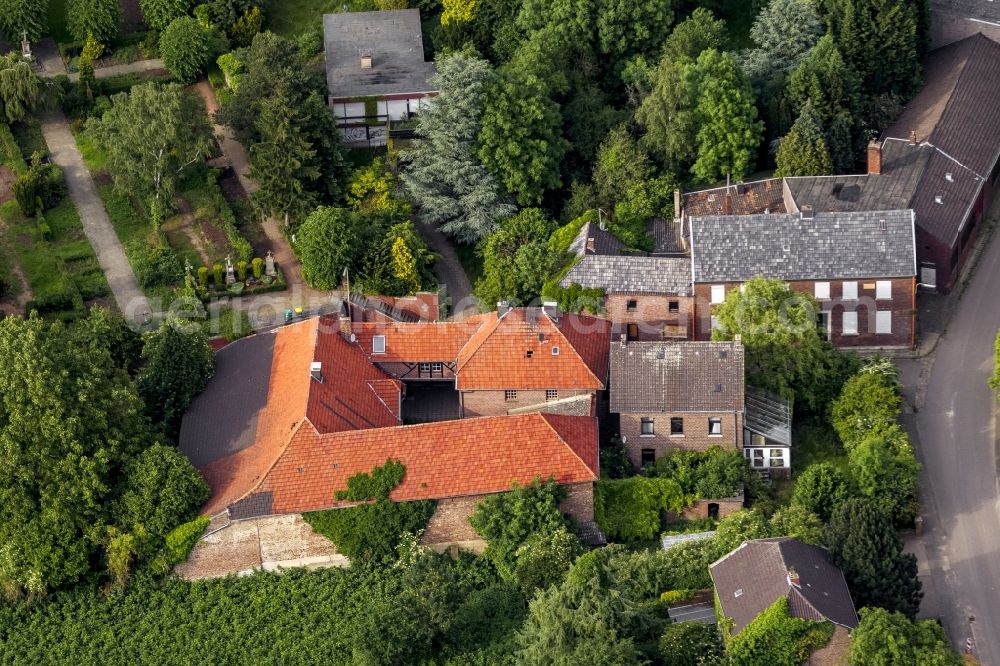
(751, 578)
(957, 109)
(526, 349)
(657, 377)
(444, 459)
(751, 198)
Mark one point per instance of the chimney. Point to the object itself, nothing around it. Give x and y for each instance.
(677, 204)
(502, 308)
(727, 205)
(913, 138)
(591, 246)
(874, 157)
(551, 310)
(807, 212)
(316, 371)
(793, 577)
(345, 326)
(366, 59)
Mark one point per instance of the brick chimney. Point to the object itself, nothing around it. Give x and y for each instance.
(366, 59)
(591, 246)
(913, 137)
(874, 157)
(806, 212)
(502, 308)
(727, 204)
(677, 204)
(345, 325)
(551, 310)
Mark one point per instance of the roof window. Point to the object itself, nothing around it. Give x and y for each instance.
(378, 344)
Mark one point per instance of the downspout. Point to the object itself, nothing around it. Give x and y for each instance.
(913, 315)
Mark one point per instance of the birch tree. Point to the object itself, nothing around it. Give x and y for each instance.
(152, 135)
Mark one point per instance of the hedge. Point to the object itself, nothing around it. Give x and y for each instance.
(631, 509)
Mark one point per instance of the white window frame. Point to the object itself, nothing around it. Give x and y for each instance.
(883, 322)
(718, 293)
(378, 344)
(883, 290)
(849, 323)
(714, 420)
(652, 426)
(849, 291)
(822, 291)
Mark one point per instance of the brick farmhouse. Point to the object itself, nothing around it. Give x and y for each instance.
(291, 414)
(860, 267)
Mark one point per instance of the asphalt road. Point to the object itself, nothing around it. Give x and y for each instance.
(956, 443)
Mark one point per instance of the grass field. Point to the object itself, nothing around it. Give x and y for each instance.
(291, 18)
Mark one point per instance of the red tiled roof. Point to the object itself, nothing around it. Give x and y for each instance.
(497, 357)
(444, 459)
(288, 397)
(416, 342)
(354, 393)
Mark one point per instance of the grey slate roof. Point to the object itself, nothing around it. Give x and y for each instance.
(658, 377)
(395, 40)
(631, 274)
(211, 428)
(984, 10)
(751, 578)
(829, 246)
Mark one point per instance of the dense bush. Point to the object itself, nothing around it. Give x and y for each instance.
(714, 473)
(186, 48)
(868, 401)
(631, 509)
(180, 541)
(892, 638)
(155, 266)
(821, 488)
(373, 485)
(775, 638)
(691, 644)
(370, 533)
(615, 463)
(54, 301)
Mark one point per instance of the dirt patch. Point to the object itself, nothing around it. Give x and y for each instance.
(7, 180)
(103, 178)
(214, 234)
(231, 187)
(24, 240)
(15, 305)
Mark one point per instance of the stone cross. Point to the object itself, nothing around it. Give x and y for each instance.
(25, 46)
(269, 265)
(230, 278)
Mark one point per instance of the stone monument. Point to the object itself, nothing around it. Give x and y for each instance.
(269, 265)
(230, 277)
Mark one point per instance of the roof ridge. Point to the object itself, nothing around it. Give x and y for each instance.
(730, 186)
(545, 417)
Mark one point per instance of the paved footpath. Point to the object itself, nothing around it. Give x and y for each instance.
(131, 301)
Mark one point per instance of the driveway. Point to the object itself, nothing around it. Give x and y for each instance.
(955, 438)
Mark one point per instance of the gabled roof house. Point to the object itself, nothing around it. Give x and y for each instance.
(292, 413)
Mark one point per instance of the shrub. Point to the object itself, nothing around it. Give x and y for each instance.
(691, 644)
(706, 474)
(671, 597)
(374, 485)
(241, 270)
(182, 539)
(203, 277)
(55, 301)
(44, 230)
(369, 533)
(231, 68)
(994, 380)
(631, 509)
(258, 267)
(51, 184)
(185, 47)
(155, 266)
(775, 638)
(92, 285)
(615, 463)
(544, 559)
(217, 273)
(821, 488)
(246, 27)
(868, 401)
(26, 192)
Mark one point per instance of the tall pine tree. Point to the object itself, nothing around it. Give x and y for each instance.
(443, 175)
(803, 151)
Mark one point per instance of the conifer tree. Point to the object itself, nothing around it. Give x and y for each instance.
(803, 151)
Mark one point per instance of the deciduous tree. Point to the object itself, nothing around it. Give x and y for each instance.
(23, 16)
(626, 28)
(100, 18)
(516, 259)
(821, 488)
(326, 244)
(20, 88)
(443, 174)
(152, 135)
(159, 13)
(884, 637)
(69, 420)
(520, 139)
(186, 48)
(179, 363)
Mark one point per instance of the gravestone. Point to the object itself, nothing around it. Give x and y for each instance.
(230, 278)
(269, 265)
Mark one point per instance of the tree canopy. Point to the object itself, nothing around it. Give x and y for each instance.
(326, 244)
(20, 88)
(885, 637)
(152, 135)
(100, 18)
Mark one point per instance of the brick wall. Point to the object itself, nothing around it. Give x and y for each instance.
(494, 403)
(651, 316)
(699, 510)
(450, 522)
(696, 437)
(901, 305)
(579, 501)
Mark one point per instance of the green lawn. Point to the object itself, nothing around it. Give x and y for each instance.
(291, 18)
